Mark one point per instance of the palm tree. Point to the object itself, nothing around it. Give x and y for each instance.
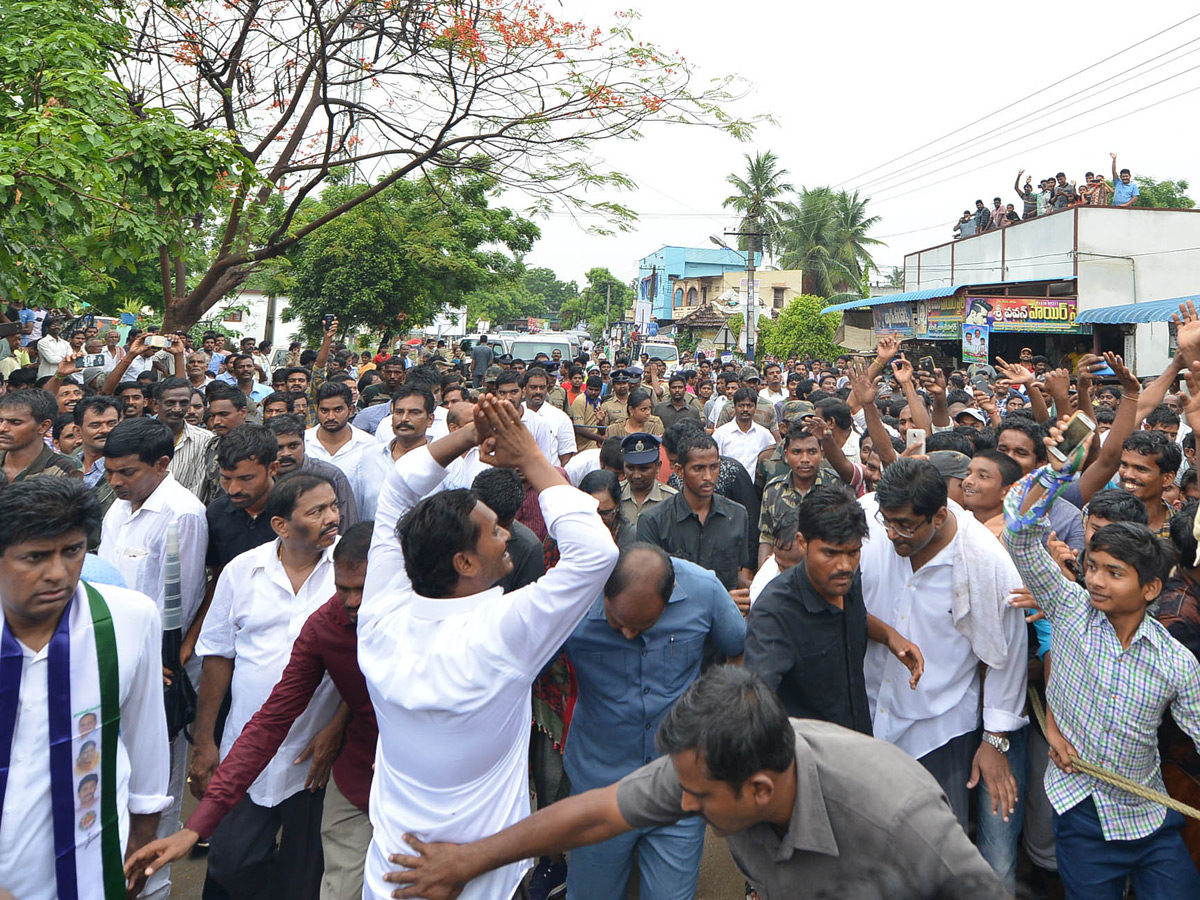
(759, 200)
(809, 241)
(852, 225)
(825, 236)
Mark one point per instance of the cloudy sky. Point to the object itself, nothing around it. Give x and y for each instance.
(924, 107)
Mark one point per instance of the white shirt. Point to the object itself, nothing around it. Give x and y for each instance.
(541, 433)
(744, 446)
(460, 474)
(852, 449)
(765, 575)
(450, 681)
(718, 404)
(137, 366)
(135, 543)
(917, 604)
(437, 428)
(349, 458)
(254, 619)
(51, 351)
(773, 397)
(562, 429)
(27, 825)
(581, 464)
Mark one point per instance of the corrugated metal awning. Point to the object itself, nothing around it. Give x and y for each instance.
(907, 297)
(1133, 313)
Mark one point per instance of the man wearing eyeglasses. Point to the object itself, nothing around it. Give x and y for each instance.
(930, 572)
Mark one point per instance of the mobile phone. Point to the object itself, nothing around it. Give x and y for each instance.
(1078, 428)
(7, 328)
(327, 321)
(90, 360)
(156, 341)
(926, 365)
(1102, 368)
(915, 437)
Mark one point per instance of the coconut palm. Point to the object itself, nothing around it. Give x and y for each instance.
(759, 200)
(824, 235)
(852, 225)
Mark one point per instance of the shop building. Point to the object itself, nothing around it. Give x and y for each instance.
(1101, 276)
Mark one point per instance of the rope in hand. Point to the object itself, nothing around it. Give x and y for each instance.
(1112, 778)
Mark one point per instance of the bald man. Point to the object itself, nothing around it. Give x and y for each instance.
(635, 653)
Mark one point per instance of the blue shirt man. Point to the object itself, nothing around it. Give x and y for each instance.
(636, 651)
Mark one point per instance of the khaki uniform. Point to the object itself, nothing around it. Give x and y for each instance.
(629, 507)
(584, 415)
(615, 410)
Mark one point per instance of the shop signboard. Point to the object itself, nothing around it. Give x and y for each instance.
(1032, 314)
(940, 319)
(976, 331)
(895, 319)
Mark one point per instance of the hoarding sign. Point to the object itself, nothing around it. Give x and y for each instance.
(976, 331)
(1033, 314)
(940, 319)
(893, 319)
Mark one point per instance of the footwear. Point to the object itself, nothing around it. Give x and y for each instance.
(548, 880)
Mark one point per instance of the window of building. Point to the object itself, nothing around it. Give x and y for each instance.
(779, 297)
(691, 297)
(233, 315)
(679, 296)
(704, 294)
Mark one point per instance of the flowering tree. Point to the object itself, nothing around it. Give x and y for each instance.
(306, 87)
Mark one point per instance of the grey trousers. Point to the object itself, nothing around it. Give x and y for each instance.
(950, 764)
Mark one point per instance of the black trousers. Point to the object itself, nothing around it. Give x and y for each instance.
(246, 863)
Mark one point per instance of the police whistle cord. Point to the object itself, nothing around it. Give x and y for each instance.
(1117, 781)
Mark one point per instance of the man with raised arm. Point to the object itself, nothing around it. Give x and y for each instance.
(449, 660)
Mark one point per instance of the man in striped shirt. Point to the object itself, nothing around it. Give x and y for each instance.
(1116, 670)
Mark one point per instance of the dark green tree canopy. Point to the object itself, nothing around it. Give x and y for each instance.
(395, 260)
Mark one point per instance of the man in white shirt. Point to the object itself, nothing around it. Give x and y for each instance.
(133, 539)
(536, 384)
(52, 349)
(449, 660)
(773, 391)
(334, 440)
(262, 600)
(43, 544)
(742, 438)
(930, 568)
(508, 387)
(412, 413)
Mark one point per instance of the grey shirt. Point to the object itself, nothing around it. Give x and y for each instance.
(859, 803)
(347, 506)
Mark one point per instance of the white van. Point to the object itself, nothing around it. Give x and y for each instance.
(528, 346)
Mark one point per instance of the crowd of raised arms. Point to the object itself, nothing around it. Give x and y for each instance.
(436, 621)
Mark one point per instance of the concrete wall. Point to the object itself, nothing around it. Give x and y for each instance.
(254, 321)
(1037, 250)
(1134, 256)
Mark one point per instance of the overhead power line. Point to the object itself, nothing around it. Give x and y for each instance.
(855, 178)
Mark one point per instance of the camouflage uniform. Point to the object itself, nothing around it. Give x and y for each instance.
(780, 497)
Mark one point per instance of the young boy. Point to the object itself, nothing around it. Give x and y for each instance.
(1115, 672)
(989, 476)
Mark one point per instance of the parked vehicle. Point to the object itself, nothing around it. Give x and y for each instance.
(528, 346)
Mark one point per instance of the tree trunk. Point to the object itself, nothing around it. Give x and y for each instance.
(183, 312)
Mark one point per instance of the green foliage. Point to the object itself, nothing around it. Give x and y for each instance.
(760, 201)
(90, 185)
(801, 330)
(895, 278)
(394, 261)
(825, 235)
(1166, 194)
(589, 305)
(534, 293)
(735, 323)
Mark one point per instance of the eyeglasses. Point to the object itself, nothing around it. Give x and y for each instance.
(899, 530)
(607, 514)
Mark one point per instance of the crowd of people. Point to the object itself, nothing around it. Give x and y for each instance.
(1053, 194)
(368, 609)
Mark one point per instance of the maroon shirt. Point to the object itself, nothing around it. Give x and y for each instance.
(326, 643)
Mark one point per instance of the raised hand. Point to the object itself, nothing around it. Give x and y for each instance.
(862, 385)
(508, 442)
(1014, 372)
(903, 370)
(886, 348)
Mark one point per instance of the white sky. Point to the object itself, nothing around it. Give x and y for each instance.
(853, 85)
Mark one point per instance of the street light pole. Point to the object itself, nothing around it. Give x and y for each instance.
(749, 322)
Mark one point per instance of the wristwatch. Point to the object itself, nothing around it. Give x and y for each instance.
(1000, 743)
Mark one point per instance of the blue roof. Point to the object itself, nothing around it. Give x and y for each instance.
(907, 297)
(1131, 313)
